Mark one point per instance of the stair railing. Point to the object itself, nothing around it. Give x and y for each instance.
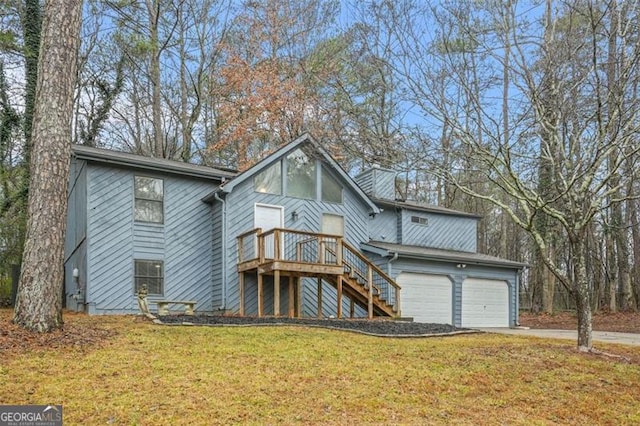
(308, 247)
(377, 281)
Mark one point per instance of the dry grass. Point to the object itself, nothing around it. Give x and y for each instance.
(152, 375)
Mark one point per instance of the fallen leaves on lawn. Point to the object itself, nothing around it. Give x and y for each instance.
(622, 322)
(80, 331)
(140, 373)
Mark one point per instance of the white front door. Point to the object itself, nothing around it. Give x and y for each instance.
(268, 217)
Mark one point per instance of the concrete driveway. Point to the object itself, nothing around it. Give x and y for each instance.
(598, 336)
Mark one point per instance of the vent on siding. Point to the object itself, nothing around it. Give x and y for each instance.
(419, 220)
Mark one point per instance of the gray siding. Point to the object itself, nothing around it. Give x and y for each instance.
(114, 241)
(457, 276)
(384, 227)
(442, 231)
(75, 240)
(188, 251)
(77, 206)
(148, 240)
(110, 238)
(240, 218)
(378, 183)
(218, 257)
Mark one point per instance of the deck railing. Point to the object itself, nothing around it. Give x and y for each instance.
(248, 245)
(289, 245)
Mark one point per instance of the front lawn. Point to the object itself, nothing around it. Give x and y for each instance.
(131, 372)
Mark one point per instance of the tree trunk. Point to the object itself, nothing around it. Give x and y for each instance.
(548, 283)
(153, 7)
(31, 25)
(39, 300)
(184, 116)
(635, 237)
(612, 271)
(582, 294)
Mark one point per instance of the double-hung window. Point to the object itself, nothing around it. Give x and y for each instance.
(149, 199)
(149, 273)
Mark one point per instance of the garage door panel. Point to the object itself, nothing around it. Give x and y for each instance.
(426, 298)
(485, 303)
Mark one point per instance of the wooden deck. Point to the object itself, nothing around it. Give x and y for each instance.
(327, 258)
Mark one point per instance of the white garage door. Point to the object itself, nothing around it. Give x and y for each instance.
(485, 303)
(426, 298)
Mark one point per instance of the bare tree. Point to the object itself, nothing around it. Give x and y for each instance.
(39, 300)
(561, 114)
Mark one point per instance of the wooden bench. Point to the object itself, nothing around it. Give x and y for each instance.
(163, 306)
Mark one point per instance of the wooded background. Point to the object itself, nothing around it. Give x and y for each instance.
(523, 112)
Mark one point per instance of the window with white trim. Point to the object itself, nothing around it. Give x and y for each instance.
(149, 199)
(149, 273)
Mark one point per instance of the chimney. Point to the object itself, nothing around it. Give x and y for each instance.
(378, 183)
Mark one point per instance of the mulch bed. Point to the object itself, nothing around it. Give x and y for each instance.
(374, 327)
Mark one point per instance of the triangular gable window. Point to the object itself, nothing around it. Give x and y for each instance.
(331, 188)
(301, 175)
(269, 181)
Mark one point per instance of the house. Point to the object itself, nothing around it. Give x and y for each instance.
(431, 252)
(293, 235)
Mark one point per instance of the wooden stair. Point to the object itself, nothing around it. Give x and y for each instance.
(359, 273)
(359, 293)
(286, 252)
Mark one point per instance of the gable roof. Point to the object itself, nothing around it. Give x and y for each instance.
(408, 205)
(283, 151)
(107, 156)
(428, 253)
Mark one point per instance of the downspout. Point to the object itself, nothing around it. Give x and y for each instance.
(224, 251)
(389, 266)
(390, 269)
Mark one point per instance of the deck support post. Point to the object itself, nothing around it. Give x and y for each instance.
(292, 309)
(339, 304)
(241, 285)
(260, 296)
(276, 293)
(370, 295)
(299, 297)
(352, 308)
(319, 297)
